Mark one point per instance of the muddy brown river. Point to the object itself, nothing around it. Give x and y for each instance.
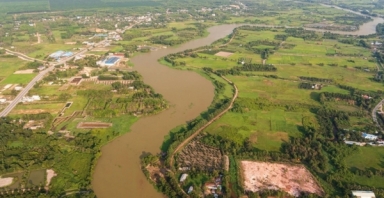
(117, 173)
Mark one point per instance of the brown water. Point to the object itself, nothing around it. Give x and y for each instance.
(117, 173)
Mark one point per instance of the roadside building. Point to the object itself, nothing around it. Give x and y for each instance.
(3, 100)
(41, 68)
(369, 136)
(363, 194)
(18, 88)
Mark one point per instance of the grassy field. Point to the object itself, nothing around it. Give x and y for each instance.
(18, 79)
(23, 5)
(268, 129)
(8, 66)
(34, 108)
(368, 158)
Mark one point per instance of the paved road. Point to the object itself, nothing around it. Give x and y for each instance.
(24, 91)
(374, 113)
(37, 78)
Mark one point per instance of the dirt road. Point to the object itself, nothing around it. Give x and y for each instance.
(209, 123)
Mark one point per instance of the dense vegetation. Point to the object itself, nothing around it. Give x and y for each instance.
(24, 150)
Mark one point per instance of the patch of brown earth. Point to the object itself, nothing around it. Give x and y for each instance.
(293, 179)
(93, 125)
(223, 54)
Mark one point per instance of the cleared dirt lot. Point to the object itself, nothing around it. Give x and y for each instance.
(27, 71)
(223, 54)
(93, 125)
(293, 179)
(5, 181)
(50, 174)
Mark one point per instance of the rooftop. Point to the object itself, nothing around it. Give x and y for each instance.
(363, 194)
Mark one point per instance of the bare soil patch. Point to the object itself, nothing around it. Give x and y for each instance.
(93, 125)
(27, 71)
(50, 174)
(223, 54)
(5, 181)
(293, 179)
(31, 111)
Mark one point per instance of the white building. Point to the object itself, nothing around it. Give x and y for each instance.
(3, 100)
(369, 136)
(18, 88)
(30, 99)
(363, 194)
(183, 177)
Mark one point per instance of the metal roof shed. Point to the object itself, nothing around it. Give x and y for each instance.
(363, 194)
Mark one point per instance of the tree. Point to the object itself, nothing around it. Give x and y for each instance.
(117, 85)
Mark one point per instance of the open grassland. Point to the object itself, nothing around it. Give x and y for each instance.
(45, 90)
(35, 108)
(274, 90)
(18, 79)
(348, 76)
(267, 130)
(367, 157)
(23, 5)
(8, 66)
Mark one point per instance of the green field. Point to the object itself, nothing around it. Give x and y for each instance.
(366, 157)
(18, 79)
(9, 65)
(268, 129)
(34, 108)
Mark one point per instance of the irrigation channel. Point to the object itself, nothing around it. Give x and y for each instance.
(117, 173)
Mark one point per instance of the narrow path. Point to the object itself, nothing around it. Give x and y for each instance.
(38, 39)
(186, 141)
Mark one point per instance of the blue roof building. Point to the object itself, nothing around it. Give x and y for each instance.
(369, 136)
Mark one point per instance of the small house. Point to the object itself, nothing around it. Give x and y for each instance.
(363, 194)
(18, 88)
(369, 136)
(190, 189)
(41, 68)
(183, 177)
